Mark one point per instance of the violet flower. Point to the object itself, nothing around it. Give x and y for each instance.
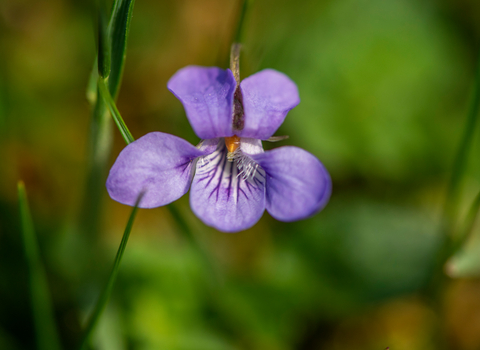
(232, 179)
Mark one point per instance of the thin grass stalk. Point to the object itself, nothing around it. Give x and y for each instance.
(467, 227)
(99, 149)
(112, 42)
(454, 190)
(236, 36)
(122, 127)
(43, 315)
(453, 238)
(107, 291)
(449, 232)
(241, 20)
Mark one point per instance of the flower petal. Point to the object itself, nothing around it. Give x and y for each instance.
(207, 95)
(159, 163)
(221, 198)
(298, 185)
(251, 146)
(267, 97)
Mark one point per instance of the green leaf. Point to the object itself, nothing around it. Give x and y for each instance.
(99, 147)
(91, 92)
(100, 138)
(468, 224)
(464, 258)
(104, 42)
(44, 321)
(460, 163)
(119, 28)
(111, 46)
(103, 299)
(122, 127)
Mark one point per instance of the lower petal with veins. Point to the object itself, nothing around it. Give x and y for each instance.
(223, 198)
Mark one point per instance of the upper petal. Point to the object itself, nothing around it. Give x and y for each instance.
(221, 198)
(207, 95)
(159, 163)
(298, 185)
(267, 97)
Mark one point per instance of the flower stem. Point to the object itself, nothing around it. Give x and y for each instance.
(103, 299)
(238, 115)
(235, 61)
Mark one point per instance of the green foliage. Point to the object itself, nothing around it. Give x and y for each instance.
(104, 43)
(105, 295)
(43, 314)
(461, 162)
(110, 61)
(118, 30)
(122, 127)
(370, 74)
(384, 88)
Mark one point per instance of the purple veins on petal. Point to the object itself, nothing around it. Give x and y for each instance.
(159, 163)
(221, 198)
(207, 95)
(298, 185)
(267, 98)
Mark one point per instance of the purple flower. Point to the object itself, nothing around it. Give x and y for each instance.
(232, 179)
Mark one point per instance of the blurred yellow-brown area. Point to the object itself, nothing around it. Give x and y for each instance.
(385, 87)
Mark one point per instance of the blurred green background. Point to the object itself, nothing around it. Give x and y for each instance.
(385, 87)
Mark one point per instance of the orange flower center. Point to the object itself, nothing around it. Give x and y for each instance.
(232, 143)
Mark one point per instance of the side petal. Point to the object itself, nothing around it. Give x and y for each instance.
(207, 95)
(267, 97)
(159, 163)
(298, 185)
(221, 198)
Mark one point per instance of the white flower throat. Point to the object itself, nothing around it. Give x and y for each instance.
(247, 167)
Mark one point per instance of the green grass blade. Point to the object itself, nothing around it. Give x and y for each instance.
(241, 20)
(91, 92)
(100, 137)
(460, 163)
(43, 316)
(119, 27)
(104, 43)
(99, 147)
(468, 224)
(122, 127)
(105, 295)
(237, 39)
